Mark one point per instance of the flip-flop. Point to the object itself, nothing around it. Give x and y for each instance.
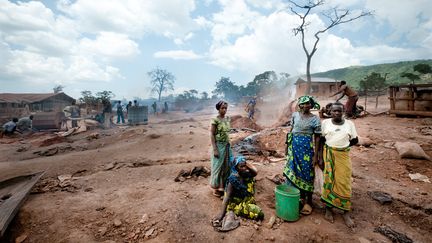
(306, 210)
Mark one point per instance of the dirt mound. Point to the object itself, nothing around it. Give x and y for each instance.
(239, 122)
(285, 117)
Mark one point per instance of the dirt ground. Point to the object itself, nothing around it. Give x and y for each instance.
(120, 185)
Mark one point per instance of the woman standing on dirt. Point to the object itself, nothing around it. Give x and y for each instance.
(219, 134)
(302, 150)
(338, 135)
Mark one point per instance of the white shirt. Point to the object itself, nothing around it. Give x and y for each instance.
(338, 136)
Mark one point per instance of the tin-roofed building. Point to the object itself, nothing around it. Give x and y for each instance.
(320, 87)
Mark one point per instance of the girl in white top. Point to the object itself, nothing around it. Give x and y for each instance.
(339, 135)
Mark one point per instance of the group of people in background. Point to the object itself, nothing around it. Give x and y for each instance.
(24, 124)
(310, 143)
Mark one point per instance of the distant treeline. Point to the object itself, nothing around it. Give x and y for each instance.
(353, 75)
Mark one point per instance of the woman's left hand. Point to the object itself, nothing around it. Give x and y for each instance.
(315, 160)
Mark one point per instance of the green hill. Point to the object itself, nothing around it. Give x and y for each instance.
(354, 74)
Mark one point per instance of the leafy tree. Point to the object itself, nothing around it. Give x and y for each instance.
(227, 89)
(423, 68)
(104, 96)
(332, 17)
(88, 98)
(411, 76)
(161, 80)
(420, 70)
(204, 96)
(58, 88)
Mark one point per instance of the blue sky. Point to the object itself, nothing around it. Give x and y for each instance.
(111, 45)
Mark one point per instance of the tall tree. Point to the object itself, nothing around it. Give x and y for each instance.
(161, 81)
(227, 88)
(58, 88)
(332, 17)
(88, 98)
(104, 96)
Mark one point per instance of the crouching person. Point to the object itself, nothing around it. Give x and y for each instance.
(239, 193)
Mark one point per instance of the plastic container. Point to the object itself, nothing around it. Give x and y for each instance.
(287, 202)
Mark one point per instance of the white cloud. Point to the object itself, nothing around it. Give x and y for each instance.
(132, 17)
(177, 55)
(85, 69)
(111, 45)
(25, 16)
(235, 19)
(404, 17)
(267, 4)
(271, 45)
(203, 22)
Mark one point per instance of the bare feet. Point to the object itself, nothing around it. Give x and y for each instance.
(329, 215)
(348, 221)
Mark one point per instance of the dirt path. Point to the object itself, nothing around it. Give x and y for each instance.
(123, 187)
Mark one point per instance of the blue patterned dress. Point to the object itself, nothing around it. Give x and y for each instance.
(299, 168)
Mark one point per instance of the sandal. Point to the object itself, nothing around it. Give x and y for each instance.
(306, 210)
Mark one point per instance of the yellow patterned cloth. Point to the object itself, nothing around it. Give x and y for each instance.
(243, 202)
(337, 178)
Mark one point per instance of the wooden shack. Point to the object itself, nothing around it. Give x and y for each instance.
(411, 99)
(320, 87)
(24, 104)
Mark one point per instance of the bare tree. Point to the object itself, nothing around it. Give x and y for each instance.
(161, 81)
(334, 16)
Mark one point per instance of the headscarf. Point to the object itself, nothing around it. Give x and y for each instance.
(234, 164)
(240, 187)
(220, 103)
(307, 98)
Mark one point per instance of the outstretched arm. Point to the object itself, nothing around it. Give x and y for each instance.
(340, 97)
(226, 199)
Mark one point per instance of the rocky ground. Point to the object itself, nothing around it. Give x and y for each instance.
(117, 185)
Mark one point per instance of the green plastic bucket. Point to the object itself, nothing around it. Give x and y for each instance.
(287, 202)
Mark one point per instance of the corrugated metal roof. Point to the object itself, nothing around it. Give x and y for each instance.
(317, 80)
(28, 97)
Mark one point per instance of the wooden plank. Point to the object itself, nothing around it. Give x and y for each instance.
(412, 113)
(13, 193)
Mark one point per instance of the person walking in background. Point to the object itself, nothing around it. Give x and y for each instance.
(222, 153)
(73, 111)
(338, 135)
(120, 113)
(351, 103)
(250, 107)
(129, 105)
(165, 107)
(106, 113)
(302, 151)
(154, 106)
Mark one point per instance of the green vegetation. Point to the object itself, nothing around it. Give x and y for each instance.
(353, 75)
